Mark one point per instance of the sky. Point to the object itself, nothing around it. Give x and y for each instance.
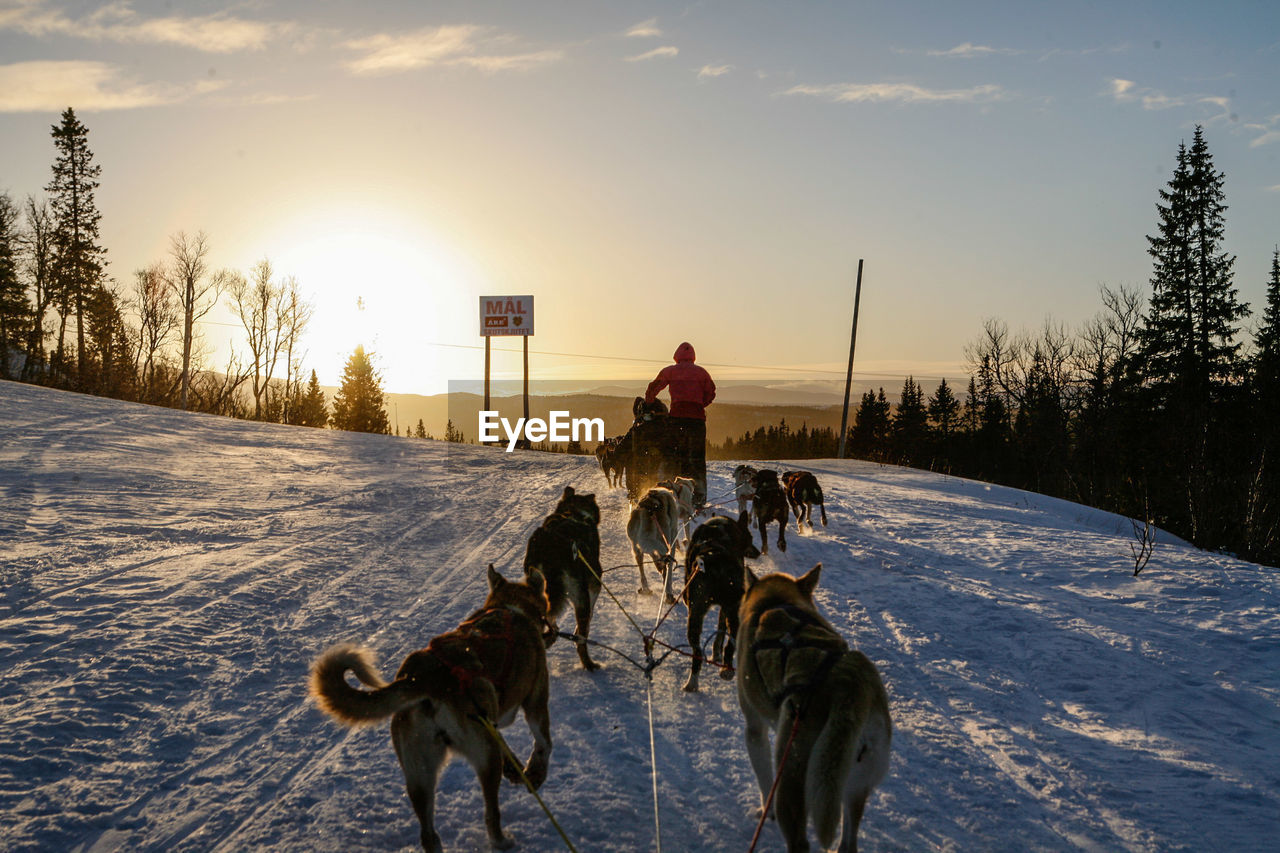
(656, 172)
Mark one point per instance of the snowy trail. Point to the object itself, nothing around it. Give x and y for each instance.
(168, 579)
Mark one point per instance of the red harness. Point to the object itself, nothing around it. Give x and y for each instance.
(463, 649)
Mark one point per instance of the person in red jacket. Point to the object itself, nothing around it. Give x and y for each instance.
(691, 392)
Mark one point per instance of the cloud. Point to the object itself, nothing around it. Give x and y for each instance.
(655, 54)
(1128, 92)
(1268, 132)
(970, 51)
(1121, 89)
(218, 33)
(86, 86)
(713, 71)
(458, 45)
(645, 29)
(907, 93)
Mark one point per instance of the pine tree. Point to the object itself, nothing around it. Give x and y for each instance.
(1267, 339)
(359, 405)
(421, 430)
(910, 423)
(870, 433)
(453, 434)
(79, 260)
(944, 410)
(971, 415)
(14, 308)
(1194, 313)
(1191, 358)
(310, 410)
(1262, 516)
(108, 361)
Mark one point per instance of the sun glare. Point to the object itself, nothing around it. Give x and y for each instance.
(385, 284)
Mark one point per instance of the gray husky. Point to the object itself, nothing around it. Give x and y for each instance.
(825, 703)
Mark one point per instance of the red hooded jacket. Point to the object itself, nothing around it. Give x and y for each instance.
(691, 387)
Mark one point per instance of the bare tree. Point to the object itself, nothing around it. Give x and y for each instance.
(260, 305)
(294, 319)
(1016, 361)
(38, 258)
(160, 316)
(198, 292)
(1108, 343)
(1144, 532)
(218, 392)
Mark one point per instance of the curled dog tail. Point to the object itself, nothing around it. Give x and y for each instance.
(349, 705)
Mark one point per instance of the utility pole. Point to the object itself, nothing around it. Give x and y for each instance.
(848, 379)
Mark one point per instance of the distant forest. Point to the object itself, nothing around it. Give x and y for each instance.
(1161, 407)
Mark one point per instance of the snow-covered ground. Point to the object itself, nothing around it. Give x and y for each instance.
(168, 578)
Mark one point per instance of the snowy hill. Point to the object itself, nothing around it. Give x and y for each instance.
(168, 578)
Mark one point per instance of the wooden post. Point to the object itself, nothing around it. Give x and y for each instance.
(848, 379)
(487, 339)
(526, 380)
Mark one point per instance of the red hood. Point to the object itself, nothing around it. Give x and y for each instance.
(684, 352)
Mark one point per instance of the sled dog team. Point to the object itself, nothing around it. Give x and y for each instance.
(795, 674)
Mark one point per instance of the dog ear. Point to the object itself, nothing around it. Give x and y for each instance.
(536, 581)
(495, 579)
(749, 577)
(568, 491)
(808, 582)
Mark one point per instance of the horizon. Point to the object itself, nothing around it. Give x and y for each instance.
(687, 172)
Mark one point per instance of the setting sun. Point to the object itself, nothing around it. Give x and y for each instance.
(379, 280)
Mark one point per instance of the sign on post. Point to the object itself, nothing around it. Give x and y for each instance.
(506, 315)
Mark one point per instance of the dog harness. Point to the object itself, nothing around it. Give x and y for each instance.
(788, 641)
(466, 648)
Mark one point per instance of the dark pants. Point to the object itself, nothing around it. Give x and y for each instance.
(689, 453)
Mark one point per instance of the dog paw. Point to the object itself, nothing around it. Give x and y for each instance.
(728, 673)
(502, 842)
(644, 590)
(690, 686)
(591, 666)
(536, 775)
(782, 546)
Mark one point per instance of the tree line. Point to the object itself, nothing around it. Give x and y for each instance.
(1163, 408)
(65, 323)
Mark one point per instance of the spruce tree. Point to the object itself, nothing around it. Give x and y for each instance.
(1191, 358)
(1262, 530)
(1267, 339)
(359, 405)
(15, 311)
(870, 433)
(79, 260)
(910, 423)
(944, 410)
(1194, 314)
(452, 433)
(311, 410)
